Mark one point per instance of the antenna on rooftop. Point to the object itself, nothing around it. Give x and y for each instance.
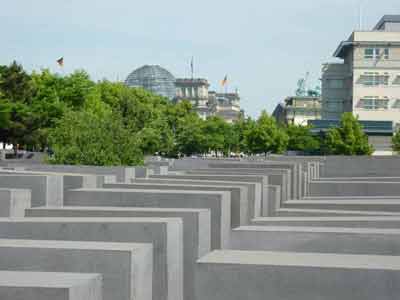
(360, 15)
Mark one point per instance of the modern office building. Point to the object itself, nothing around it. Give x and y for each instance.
(367, 83)
(153, 78)
(298, 110)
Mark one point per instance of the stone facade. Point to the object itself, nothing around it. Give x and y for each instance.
(208, 103)
(298, 110)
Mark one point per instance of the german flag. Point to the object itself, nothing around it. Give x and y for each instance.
(60, 61)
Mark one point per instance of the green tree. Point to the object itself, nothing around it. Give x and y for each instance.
(190, 138)
(214, 131)
(231, 139)
(301, 139)
(75, 88)
(16, 92)
(47, 107)
(264, 136)
(94, 137)
(348, 138)
(240, 127)
(396, 142)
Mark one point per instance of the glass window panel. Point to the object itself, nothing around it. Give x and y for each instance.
(386, 53)
(369, 53)
(374, 103)
(336, 83)
(396, 104)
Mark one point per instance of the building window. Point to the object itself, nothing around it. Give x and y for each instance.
(386, 53)
(335, 83)
(334, 105)
(374, 103)
(396, 79)
(374, 79)
(376, 53)
(370, 53)
(396, 104)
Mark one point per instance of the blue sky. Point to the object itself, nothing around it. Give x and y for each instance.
(264, 46)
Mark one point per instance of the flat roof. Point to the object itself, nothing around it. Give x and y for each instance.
(387, 19)
(369, 37)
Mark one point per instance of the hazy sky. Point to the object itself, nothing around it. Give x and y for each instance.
(264, 46)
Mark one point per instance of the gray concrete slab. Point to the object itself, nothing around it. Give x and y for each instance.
(219, 204)
(238, 194)
(164, 233)
(13, 202)
(254, 189)
(296, 171)
(274, 203)
(317, 239)
(389, 205)
(122, 174)
(196, 229)
(70, 180)
(49, 286)
(373, 179)
(126, 268)
(354, 188)
(332, 221)
(346, 198)
(301, 212)
(362, 166)
(275, 177)
(238, 275)
(261, 180)
(45, 189)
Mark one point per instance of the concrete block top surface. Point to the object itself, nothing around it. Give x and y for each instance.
(45, 279)
(354, 182)
(183, 180)
(225, 176)
(241, 170)
(123, 209)
(317, 260)
(392, 201)
(337, 230)
(90, 220)
(25, 175)
(81, 245)
(18, 172)
(329, 218)
(13, 190)
(155, 191)
(175, 185)
(357, 177)
(251, 164)
(350, 198)
(340, 212)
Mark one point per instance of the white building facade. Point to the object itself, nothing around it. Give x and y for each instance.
(367, 83)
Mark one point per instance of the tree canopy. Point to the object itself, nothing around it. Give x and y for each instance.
(301, 139)
(348, 138)
(264, 136)
(108, 123)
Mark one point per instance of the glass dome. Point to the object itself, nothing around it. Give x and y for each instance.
(153, 78)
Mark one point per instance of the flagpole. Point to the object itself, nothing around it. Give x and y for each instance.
(192, 67)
